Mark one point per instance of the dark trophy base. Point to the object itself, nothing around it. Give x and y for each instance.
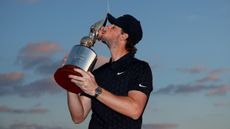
(61, 77)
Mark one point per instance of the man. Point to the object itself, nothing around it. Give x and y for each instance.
(118, 91)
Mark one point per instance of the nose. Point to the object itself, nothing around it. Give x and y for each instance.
(103, 29)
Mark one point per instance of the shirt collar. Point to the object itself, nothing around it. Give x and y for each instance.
(122, 62)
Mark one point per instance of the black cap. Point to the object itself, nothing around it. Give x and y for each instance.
(129, 25)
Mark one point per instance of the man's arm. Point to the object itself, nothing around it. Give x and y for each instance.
(79, 107)
(131, 105)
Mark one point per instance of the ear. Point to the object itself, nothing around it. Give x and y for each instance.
(125, 36)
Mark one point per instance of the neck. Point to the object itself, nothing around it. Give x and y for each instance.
(117, 53)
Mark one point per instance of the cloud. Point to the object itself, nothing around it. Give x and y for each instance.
(48, 68)
(8, 82)
(190, 88)
(23, 111)
(212, 78)
(11, 78)
(39, 49)
(220, 71)
(192, 70)
(199, 69)
(213, 75)
(38, 88)
(160, 126)
(183, 89)
(32, 126)
(37, 54)
(221, 90)
(39, 57)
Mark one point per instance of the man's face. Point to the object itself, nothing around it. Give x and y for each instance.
(110, 33)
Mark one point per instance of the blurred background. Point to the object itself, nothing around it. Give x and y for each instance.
(187, 44)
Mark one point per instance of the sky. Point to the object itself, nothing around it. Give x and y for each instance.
(186, 43)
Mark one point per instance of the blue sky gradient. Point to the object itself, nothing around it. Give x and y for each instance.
(186, 43)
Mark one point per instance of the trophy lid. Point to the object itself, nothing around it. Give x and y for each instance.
(89, 40)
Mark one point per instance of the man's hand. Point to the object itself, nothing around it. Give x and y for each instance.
(87, 82)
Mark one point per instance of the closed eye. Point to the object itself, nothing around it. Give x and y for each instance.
(113, 27)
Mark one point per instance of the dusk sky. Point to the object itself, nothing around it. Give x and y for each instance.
(186, 43)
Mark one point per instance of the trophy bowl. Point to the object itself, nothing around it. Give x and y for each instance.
(62, 79)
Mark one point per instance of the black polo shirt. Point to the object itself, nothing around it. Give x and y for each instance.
(120, 77)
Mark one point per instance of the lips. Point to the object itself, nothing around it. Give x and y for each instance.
(102, 31)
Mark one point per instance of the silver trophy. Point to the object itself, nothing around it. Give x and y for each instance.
(81, 56)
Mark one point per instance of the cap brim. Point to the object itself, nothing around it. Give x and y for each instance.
(111, 19)
(114, 20)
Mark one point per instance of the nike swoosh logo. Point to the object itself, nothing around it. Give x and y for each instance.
(140, 85)
(119, 73)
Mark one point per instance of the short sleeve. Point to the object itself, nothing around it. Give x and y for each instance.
(141, 78)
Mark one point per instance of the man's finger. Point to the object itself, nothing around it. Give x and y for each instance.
(77, 83)
(77, 78)
(82, 72)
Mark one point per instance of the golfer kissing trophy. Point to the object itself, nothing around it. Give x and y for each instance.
(82, 57)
